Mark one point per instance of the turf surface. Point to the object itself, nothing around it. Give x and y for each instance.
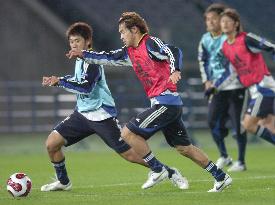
(99, 176)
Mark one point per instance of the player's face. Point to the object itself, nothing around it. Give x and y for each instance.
(228, 25)
(126, 35)
(212, 21)
(77, 42)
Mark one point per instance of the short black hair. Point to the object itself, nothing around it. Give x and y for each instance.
(82, 29)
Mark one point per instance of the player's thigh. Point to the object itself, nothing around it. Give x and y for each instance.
(218, 109)
(109, 131)
(153, 119)
(176, 134)
(250, 123)
(261, 107)
(268, 122)
(74, 128)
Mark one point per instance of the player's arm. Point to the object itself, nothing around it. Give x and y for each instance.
(118, 57)
(159, 51)
(257, 44)
(203, 58)
(87, 83)
(228, 76)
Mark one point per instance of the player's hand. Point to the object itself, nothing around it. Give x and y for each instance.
(74, 54)
(54, 81)
(175, 77)
(210, 92)
(207, 85)
(46, 81)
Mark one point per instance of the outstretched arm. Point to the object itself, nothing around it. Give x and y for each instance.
(70, 83)
(116, 58)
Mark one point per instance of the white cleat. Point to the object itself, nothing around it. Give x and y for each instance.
(237, 167)
(221, 185)
(178, 180)
(56, 186)
(222, 162)
(155, 178)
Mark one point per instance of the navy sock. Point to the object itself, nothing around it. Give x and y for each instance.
(153, 163)
(218, 174)
(170, 171)
(265, 134)
(61, 172)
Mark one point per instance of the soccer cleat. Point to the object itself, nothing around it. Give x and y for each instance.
(56, 186)
(237, 167)
(178, 180)
(222, 162)
(221, 185)
(155, 178)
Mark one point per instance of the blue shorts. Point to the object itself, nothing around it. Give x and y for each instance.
(261, 106)
(76, 127)
(167, 118)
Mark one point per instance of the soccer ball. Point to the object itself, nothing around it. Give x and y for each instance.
(19, 185)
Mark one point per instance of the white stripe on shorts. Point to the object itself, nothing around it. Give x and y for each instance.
(152, 117)
(256, 106)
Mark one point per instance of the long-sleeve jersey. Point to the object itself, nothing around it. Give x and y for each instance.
(92, 92)
(153, 62)
(213, 65)
(246, 59)
(249, 63)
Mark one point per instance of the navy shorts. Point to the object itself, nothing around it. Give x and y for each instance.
(225, 105)
(261, 106)
(167, 118)
(76, 127)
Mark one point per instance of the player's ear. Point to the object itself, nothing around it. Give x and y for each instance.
(135, 29)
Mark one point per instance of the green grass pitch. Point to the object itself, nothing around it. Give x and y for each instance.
(99, 176)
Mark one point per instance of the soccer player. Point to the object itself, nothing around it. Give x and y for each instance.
(229, 100)
(243, 51)
(95, 111)
(157, 65)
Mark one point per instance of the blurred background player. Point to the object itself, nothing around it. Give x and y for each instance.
(95, 111)
(157, 65)
(228, 102)
(243, 51)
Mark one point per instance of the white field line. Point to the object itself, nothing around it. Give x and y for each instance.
(262, 189)
(190, 181)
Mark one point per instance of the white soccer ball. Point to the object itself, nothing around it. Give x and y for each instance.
(19, 185)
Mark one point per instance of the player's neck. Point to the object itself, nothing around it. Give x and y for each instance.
(216, 33)
(231, 37)
(138, 39)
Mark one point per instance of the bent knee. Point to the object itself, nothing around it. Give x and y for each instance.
(54, 142)
(250, 126)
